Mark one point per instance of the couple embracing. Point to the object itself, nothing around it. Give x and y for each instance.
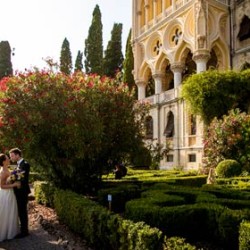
(13, 197)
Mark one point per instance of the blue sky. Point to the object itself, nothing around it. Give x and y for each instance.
(37, 28)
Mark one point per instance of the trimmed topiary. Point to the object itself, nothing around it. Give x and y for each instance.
(228, 168)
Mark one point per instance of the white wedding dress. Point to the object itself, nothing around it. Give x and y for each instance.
(9, 222)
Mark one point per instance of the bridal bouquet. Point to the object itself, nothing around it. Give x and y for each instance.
(16, 175)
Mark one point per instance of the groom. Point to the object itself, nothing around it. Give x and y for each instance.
(22, 192)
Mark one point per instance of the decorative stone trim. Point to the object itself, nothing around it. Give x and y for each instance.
(201, 56)
(177, 67)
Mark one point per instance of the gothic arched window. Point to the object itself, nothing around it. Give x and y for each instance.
(169, 129)
(193, 125)
(244, 32)
(149, 127)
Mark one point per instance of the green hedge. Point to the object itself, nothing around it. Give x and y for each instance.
(104, 229)
(120, 195)
(244, 238)
(44, 193)
(100, 227)
(212, 216)
(162, 199)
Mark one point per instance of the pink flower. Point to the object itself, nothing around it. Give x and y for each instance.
(1, 121)
(91, 84)
(3, 85)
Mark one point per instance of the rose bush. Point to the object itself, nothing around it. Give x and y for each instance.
(228, 138)
(71, 127)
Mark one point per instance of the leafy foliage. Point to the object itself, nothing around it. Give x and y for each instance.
(94, 45)
(113, 55)
(141, 158)
(72, 126)
(65, 58)
(212, 94)
(5, 59)
(228, 168)
(158, 152)
(228, 138)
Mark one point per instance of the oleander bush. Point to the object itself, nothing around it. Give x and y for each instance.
(228, 138)
(71, 125)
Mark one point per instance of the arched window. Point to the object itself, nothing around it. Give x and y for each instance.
(193, 125)
(150, 88)
(169, 129)
(149, 127)
(246, 65)
(244, 32)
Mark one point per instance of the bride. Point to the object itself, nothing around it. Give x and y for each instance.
(9, 222)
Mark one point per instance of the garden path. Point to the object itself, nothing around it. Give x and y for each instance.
(46, 233)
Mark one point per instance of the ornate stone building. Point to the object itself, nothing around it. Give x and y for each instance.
(175, 38)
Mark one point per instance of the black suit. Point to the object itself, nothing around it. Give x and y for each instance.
(22, 196)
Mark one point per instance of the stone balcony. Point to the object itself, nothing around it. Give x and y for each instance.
(163, 97)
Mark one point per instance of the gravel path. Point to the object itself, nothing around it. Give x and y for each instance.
(46, 233)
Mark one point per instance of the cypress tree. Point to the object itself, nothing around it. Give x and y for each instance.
(65, 58)
(78, 63)
(128, 64)
(5, 59)
(113, 55)
(94, 45)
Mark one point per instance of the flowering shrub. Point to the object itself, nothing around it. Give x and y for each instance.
(228, 138)
(71, 126)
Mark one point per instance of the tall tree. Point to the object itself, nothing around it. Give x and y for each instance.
(65, 58)
(94, 45)
(5, 59)
(113, 55)
(78, 63)
(128, 64)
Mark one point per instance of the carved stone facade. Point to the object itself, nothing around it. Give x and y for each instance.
(173, 39)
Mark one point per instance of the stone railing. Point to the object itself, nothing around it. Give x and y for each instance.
(162, 97)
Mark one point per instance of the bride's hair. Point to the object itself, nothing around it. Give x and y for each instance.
(2, 159)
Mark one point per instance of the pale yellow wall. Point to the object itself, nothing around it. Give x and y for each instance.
(200, 27)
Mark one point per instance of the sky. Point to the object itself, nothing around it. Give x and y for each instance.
(36, 29)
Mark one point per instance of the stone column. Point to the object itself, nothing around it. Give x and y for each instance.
(139, 20)
(177, 69)
(163, 5)
(141, 89)
(173, 5)
(158, 78)
(146, 13)
(201, 57)
(155, 9)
